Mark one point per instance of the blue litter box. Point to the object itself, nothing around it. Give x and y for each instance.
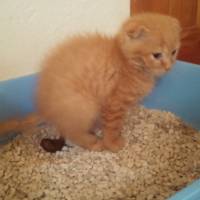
(178, 92)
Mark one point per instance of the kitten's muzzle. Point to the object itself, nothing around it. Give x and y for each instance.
(166, 65)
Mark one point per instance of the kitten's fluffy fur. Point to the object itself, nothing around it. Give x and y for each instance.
(95, 77)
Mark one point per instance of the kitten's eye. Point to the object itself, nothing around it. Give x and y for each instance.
(173, 52)
(157, 55)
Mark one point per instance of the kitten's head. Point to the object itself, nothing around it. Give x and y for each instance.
(150, 41)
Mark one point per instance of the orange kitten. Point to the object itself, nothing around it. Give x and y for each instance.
(95, 77)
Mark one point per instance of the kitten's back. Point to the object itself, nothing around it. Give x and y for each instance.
(83, 64)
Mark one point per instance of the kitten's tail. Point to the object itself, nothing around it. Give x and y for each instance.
(20, 124)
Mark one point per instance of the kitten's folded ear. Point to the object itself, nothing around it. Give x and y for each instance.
(136, 31)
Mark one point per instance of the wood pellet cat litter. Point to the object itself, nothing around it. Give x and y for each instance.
(162, 156)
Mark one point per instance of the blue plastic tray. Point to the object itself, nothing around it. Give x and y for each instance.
(178, 92)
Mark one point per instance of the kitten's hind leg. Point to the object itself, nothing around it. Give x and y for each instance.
(74, 121)
(88, 141)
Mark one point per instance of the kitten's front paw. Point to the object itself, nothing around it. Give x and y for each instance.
(98, 146)
(114, 145)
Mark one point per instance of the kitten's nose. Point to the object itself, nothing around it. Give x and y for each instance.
(166, 65)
